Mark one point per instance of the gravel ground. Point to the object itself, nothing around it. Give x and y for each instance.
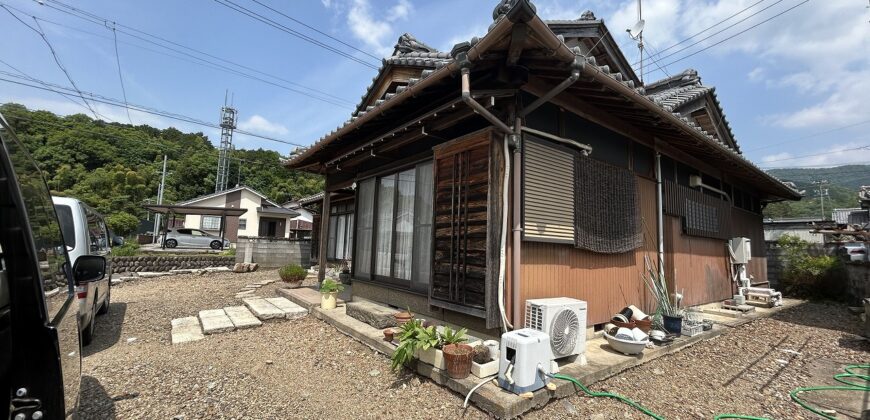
(286, 369)
(306, 369)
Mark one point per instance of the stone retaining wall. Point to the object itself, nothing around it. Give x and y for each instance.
(274, 252)
(160, 263)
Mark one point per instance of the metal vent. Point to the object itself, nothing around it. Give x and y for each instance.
(534, 317)
(563, 332)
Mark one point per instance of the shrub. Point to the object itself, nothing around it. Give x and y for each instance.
(122, 223)
(292, 272)
(330, 286)
(129, 249)
(805, 275)
(229, 252)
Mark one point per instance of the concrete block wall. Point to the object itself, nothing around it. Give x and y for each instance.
(159, 263)
(776, 256)
(274, 252)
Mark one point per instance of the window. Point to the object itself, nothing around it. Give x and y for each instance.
(243, 224)
(67, 226)
(210, 222)
(340, 238)
(97, 232)
(548, 196)
(394, 227)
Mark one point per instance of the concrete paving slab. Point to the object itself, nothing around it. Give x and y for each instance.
(242, 317)
(263, 309)
(253, 286)
(215, 321)
(265, 282)
(290, 309)
(186, 330)
(245, 293)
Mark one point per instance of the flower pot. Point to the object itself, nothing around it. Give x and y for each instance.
(458, 357)
(619, 324)
(402, 318)
(673, 324)
(645, 324)
(344, 278)
(388, 334)
(327, 300)
(484, 370)
(432, 356)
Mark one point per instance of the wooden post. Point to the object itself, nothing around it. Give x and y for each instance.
(324, 237)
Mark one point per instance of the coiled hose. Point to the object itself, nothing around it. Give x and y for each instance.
(840, 377)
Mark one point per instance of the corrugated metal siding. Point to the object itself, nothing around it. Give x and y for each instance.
(750, 225)
(548, 191)
(697, 267)
(608, 282)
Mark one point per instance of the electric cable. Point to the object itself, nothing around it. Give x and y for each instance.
(120, 76)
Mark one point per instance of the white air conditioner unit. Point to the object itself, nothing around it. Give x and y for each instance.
(563, 319)
(741, 248)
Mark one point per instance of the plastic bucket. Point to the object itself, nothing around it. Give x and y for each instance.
(673, 324)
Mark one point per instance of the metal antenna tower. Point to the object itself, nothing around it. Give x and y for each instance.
(229, 118)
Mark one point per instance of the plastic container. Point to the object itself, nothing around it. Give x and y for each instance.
(626, 347)
(691, 329)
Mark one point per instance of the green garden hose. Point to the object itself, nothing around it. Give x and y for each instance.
(611, 395)
(840, 377)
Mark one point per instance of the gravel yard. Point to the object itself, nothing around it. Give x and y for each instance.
(306, 369)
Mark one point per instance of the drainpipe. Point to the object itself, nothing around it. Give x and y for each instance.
(517, 238)
(576, 67)
(476, 106)
(660, 215)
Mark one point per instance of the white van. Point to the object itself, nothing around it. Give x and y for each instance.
(85, 233)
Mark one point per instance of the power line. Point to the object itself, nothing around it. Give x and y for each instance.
(41, 34)
(120, 76)
(62, 95)
(810, 135)
(864, 147)
(140, 108)
(317, 30)
(737, 34)
(256, 16)
(707, 28)
(309, 92)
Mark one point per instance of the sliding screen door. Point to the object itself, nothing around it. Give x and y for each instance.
(362, 262)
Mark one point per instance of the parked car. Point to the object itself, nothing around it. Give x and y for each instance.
(192, 238)
(85, 233)
(40, 351)
(853, 251)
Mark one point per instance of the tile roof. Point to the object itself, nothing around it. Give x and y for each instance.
(227, 191)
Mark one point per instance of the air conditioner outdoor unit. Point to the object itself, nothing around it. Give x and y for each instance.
(563, 319)
(741, 248)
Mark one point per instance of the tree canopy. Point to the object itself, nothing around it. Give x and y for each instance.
(116, 168)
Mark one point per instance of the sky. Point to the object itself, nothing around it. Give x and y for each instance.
(794, 87)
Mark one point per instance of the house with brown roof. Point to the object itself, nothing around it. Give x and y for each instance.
(531, 162)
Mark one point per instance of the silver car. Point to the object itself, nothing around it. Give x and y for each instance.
(192, 238)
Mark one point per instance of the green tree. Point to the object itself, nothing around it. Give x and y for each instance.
(122, 223)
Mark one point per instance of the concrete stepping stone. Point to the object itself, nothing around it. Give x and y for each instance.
(290, 309)
(253, 286)
(186, 330)
(242, 317)
(215, 321)
(245, 293)
(263, 309)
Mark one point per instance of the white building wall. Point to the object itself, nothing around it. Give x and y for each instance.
(250, 202)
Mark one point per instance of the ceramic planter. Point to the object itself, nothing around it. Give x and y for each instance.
(432, 356)
(293, 284)
(489, 368)
(327, 300)
(458, 358)
(402, 318)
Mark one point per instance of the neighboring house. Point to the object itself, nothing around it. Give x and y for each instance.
(300, 226)
(263, 218)
(850, 216)
(525, 164)
(802, 227)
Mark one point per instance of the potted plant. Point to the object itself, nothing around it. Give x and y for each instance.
(457, 356)
(403, 316)
(328, 292)
(429, 349)
(293, 275)
(669, 312)
(344, 273)
(483, 363)
(408, 344)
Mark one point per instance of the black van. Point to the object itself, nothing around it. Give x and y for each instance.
(40, 346)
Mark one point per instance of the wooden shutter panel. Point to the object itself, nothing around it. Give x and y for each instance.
(461, 195)
(548, 191)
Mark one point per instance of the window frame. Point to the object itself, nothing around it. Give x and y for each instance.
(202, 224)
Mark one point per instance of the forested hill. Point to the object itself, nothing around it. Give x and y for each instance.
(116, 167)
(843, 184)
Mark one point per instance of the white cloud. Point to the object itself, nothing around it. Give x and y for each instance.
(833, 155)
(261, 125)
(756, 75)
(377, 34)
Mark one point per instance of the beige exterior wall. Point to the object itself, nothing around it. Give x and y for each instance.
(249, 201)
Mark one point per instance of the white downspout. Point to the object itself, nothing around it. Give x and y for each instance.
(506, 325)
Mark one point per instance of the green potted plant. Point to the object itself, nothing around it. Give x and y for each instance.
(483, 364)
(668, 314)
(429, 350)
(329, 290)
(344, 273)
(457, 356)
(293, 275)
(408, 344)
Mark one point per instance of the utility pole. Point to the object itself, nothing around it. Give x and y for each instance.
(822, 193)
(159, 201)
(229, 118)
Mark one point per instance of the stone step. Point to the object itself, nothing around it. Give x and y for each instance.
(376, 315)
(215, 321)
(186, 330)
(263, 309)
(290, 309)
(242, 317)
(304, 296)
